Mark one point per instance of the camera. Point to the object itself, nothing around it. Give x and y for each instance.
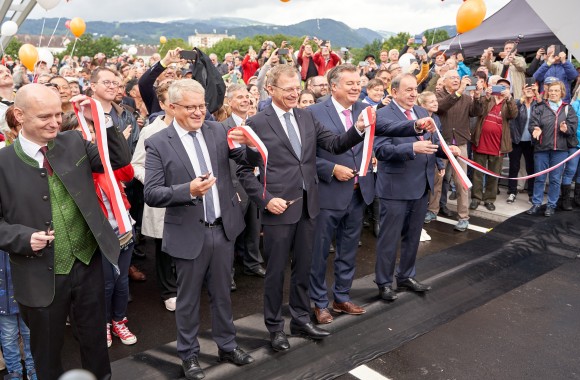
(189, 55)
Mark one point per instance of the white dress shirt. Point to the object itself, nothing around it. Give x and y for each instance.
(339, 109)
(280, 113)
(31, 149)
(413, 114)
(187, 142)
(238, 120)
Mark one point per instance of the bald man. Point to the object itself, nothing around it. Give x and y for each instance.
(53, 228)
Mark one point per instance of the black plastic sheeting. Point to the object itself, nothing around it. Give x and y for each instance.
(463, 277)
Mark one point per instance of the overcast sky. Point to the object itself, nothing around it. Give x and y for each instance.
(411, 16)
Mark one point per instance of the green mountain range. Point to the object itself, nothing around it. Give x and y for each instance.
(146, 32)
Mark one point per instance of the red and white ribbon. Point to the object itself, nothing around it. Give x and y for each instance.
(258, 144)
(119, 211)
(480, 168)
(465, 182)
(369, 140)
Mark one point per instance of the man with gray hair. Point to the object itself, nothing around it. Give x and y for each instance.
(202, 219)
(248, 243)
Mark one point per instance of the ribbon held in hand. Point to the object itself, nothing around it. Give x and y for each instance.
(260, 146)
(368, 142)
(465, 182)
(119, 211)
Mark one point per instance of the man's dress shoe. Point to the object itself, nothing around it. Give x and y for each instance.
(279, 341)
(308, 330)
(237, 356)
(192, 369)
(413, 285)
(387, 293)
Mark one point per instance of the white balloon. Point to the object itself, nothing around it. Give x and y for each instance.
(45, 55)
(405, 61)
(48, 4)
(9, 28)
(132, 50)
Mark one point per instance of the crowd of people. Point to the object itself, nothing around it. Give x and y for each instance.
(168, 120)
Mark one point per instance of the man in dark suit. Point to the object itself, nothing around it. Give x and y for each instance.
(53, 228)
(290, 199)
(248, 242)
(406, 170)
(343, 196)
(202, 219)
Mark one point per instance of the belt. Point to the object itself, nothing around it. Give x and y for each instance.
(356, 186)
(216, 223)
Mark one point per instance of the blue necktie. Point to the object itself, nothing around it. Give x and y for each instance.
(294, 141)
(209, 206)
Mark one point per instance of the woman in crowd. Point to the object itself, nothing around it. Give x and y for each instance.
(306, 99)
(551, 124)
(522, 141)
(375, 92)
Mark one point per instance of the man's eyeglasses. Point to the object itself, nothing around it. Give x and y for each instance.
(289, 90)
(191, 109)
(108, 83)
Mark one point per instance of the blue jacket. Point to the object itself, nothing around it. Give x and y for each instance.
(402, 174)
(335, 194)
(463, 70)
(565, 72)
(8, 304)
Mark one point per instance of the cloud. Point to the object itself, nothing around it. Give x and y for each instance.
(404, 15)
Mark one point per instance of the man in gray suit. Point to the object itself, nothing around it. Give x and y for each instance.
(202, 219)
(248, 243)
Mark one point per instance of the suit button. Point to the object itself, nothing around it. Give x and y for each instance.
(43, 174)
(50, 268)
(45, 197)
(47, 223)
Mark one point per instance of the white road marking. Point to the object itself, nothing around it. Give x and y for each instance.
(365, 373)
(483, 230)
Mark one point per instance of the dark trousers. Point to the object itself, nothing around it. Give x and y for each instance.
(526, 149)
(280, 243)
(117, 285)
(401, 220)
(165, 270)
(80, 295)
(212, 268)
(347, 224)
(248, 242)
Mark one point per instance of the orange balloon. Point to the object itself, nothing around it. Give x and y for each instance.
(77, 26)
(470, 15)
(28, 55)
(284, 1)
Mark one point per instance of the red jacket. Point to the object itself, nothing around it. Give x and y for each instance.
(249, 68)
(321, 63)
(124, 174)
(303, 63)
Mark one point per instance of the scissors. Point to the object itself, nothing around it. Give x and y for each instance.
(50, 227)
(288, 203)
(205, 176)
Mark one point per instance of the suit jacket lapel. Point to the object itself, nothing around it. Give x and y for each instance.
(177, 145)
(211, 147)
(336, 121)
(275, 124)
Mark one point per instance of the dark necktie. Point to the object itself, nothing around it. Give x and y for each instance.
(209, 206)
(45, 163)
(292, 136)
